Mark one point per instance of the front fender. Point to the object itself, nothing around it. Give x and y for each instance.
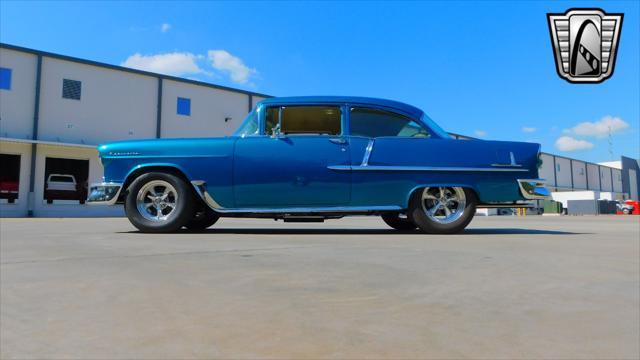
(142, 167)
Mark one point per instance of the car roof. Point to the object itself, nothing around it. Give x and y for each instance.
(409, 109)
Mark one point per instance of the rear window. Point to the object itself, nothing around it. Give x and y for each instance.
(376, 123)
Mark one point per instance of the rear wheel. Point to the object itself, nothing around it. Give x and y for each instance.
(399, 222)
(626, 211)
(442, 210)
(159, 202)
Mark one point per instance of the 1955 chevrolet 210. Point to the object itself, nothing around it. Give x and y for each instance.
(317, 158)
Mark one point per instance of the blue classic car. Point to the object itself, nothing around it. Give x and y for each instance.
(317, 158)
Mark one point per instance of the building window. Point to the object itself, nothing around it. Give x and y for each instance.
(5, 78)
(581, 171)
(71, 89)
(184, 106)
(558, 167)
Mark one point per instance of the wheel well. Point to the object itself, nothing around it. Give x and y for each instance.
(147, 169)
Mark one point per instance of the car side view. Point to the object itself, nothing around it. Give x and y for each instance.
(317, 158)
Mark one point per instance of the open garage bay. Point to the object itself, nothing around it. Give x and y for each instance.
(532, 287)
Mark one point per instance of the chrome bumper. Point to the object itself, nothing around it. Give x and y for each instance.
(104, 193)
(533, 189)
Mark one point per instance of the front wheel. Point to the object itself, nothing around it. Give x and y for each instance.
(202, 219)
(159, 202)
(442, 210)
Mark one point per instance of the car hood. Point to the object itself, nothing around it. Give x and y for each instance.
(159, 147)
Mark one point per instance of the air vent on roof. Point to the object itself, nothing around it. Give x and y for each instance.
(71, 89)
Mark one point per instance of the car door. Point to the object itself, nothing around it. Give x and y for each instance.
(290, 167)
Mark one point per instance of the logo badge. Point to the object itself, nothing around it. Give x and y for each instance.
(585, 43)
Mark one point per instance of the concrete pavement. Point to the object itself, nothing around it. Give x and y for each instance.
(534, 287)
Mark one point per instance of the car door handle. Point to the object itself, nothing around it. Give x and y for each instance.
(340, 141)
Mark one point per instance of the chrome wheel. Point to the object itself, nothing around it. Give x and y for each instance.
(443, 205)
(156, 200)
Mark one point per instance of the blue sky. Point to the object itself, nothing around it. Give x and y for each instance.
(478, 68)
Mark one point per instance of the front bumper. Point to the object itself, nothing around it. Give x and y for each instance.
(104, 193)
(533, 189)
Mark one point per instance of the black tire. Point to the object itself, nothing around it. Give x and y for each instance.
(399, 223)
(179, 215)
(626, 211)
(202, 219)
(430, 226)
(49, 201)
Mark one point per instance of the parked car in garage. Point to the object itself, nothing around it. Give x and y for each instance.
(317, 158)
(627, 207)
(64, 187)
(9, 190)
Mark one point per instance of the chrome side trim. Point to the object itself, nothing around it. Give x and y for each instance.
(420, 168)
(201, 189)
(512, 163)
(104, 193)
(367, 153)
(533, 189)
(309, 210)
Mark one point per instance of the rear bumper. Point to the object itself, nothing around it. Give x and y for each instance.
(104, 193)
(533, 189)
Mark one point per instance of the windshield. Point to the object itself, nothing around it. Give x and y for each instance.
(249, 126)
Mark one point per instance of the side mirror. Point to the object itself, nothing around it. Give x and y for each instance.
(275, 131)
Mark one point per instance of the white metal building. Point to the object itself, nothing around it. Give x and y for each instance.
(55, 109)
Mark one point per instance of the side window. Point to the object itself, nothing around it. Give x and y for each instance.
(376, 123)
(325, 120)
(183, 106)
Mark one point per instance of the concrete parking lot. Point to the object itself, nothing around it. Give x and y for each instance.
(509, 287)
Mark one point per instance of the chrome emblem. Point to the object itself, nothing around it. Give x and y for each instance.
(585, 43)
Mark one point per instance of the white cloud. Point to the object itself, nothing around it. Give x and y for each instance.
(600, 128)
(567, 143)
(480, 133)
(225, 62)
(176, 63)
(527, 129)
(165, 27)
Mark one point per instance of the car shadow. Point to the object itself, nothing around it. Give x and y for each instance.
(279, 231)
